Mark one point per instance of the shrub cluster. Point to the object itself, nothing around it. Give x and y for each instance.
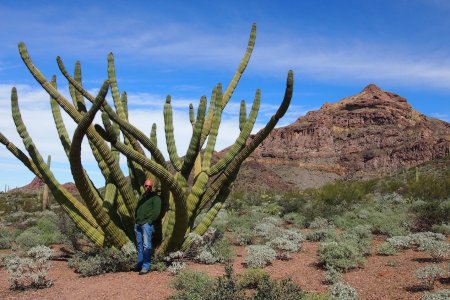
(106, 260)
(346, 251)
(30, 271)
(44, 232)
(197, 285)
(429, 274)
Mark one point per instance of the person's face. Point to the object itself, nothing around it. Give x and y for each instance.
(148, 186)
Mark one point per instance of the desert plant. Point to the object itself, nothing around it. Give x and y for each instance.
(107, 260)
(429, 274)
(438, 250)
(439, 295)
(31, 271)
(322, 235)
(344, 291)
(5, 238)
(321, 223)
(107, 218)
(387, 249)
(341, 255)
(192, 285)
(283, 289)
(251, 278)
(332, 276)
(259, 256)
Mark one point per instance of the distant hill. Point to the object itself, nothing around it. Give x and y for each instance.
(369, 134)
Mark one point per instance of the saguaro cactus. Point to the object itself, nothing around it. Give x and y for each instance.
(107, 218)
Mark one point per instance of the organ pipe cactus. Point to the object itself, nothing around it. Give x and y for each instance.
(192, 186)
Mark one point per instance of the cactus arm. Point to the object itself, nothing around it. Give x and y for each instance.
(126, 126)
(235, 80)
(77, 98)
(101, 146)
(209, 116)
(77, 211)
(170, 139)
(59, 123)
(248, 149)
(242, 115)
(191, 114)
(206, 163)
(194, 144)
(204, 224)
(20, 155)
(240, 141)
(92, 199)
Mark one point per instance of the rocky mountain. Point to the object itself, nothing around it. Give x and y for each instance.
(368, 134)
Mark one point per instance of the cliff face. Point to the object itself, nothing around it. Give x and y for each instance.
(367, 134)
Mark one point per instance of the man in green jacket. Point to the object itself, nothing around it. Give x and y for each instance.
(147, 212)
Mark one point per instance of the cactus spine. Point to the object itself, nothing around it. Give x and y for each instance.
(107, 218)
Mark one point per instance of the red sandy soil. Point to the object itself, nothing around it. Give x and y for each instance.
(382, 277)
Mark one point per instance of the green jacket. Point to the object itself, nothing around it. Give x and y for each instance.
(148, 208)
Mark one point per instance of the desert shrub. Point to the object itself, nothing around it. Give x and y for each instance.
(176, 267)
(344, 291)
(332, 276)
(107, 260)
(295, 219)
(341, 255)
(221, 221)
(441, 228)
(31, 271)
(362, 236)
(284, 289)
(287, 240)
(429, 274)
(292, 203)
(321, 223)
(210, 248)
(439, 295)
(44, 232)
(431, 211)
(438, 250)
(251, 278)
(400, 242)
(322, 235)
(226, 287)
(387, 249)
(335, 198)
(259, 256)
(5, 238)
(429, 187)
(192, 285)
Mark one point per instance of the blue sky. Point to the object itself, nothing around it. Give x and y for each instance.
(184, 48)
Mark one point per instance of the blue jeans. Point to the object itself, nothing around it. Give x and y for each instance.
(144, 233)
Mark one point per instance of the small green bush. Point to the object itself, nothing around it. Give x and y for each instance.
(251, 278)
(5, 238)
(344, 291)
(259, 256)
(341, 255)
(192, 285)
(107, 260)
(322, 235)
(429, 274)
(332, 276)
(387, 249)
(439, 295)
(285, 289)
(31, 271)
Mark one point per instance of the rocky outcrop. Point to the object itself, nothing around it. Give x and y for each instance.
(368, 134)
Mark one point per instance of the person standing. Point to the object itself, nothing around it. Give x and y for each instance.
(147, 212)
